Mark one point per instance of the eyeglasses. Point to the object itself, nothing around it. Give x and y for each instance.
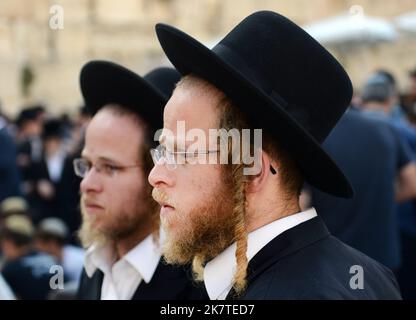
(83, 166)
(171, 159)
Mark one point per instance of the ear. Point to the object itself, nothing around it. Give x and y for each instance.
(258, 181)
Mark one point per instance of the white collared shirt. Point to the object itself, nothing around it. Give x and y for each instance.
(122, 277)
(55, 165)
(219, 272)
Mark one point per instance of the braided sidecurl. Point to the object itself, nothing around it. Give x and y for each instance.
(240, 230)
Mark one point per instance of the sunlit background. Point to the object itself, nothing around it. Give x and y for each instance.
(41, 63)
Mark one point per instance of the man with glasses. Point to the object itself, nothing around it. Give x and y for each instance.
(244, 231)
(120, 219)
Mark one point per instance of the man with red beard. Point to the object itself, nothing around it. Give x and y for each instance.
(245, 233)
(120, 220)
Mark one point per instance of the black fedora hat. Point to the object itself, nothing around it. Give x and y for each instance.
(52, 128)
(105, 82)
(282, 78)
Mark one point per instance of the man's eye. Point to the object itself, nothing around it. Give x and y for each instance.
(181, 157)
(192, 154)
(86, 165)
(109, 168)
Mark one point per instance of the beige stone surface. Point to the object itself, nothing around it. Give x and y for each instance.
(123, 31)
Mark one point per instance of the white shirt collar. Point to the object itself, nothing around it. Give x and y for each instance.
(143, 258)
(55, 165)
(219, 272)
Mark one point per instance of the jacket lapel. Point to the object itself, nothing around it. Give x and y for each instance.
(90, 288)
(284, 244)
(168, 283)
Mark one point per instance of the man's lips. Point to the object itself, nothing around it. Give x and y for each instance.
(164, 204)
(166, 208)
(162, 199)
(93, 207)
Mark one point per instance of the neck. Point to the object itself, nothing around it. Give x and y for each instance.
(52, 150)
(263, 215)
(127, 243)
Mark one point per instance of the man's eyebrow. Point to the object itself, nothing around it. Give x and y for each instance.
(103, 159)
(163, 140)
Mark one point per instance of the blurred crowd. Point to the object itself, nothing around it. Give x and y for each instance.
(374, 143)
(39, 201)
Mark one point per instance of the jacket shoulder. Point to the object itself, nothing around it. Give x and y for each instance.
(326, 269)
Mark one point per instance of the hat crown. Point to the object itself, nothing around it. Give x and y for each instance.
(19, 224)
(293, 69)
(13, 204)
(54, 226)
(163, 79)
(104, 82)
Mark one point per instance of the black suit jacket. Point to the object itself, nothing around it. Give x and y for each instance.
(168, 283)
(64, 203)
(306, 262)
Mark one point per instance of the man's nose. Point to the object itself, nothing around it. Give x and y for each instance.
(161, 176)
(91, 182)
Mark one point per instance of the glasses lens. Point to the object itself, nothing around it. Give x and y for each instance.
(170, 160)
(155, 156)
(80, 167)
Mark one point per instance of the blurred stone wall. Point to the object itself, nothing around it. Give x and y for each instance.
(123, 31)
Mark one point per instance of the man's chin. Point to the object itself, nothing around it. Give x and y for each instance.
(173, 249)
(92, 232)
(173, 255)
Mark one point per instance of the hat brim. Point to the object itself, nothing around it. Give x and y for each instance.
(104, 82)
(190, 56)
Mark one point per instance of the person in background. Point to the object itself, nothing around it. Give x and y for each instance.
(377, 100)
(381, 168)
(9, 172)
(397, 112)
(78, 133)
(27, 271)
(56, 189)
(9, 207)
(5, 292)
(13, 206)
(120, 228)
(29, 124)
(409, 98)
(52, 237)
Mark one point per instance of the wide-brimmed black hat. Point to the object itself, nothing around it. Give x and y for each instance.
(29, 114)
(282, 78)
(52, 128)
(104, 82)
